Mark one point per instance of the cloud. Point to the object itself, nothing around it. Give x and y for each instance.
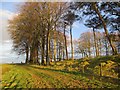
(5, 15)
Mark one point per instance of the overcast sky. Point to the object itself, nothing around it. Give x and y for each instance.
(7, 11)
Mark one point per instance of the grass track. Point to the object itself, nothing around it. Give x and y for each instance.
(65, 74)
(32, 76)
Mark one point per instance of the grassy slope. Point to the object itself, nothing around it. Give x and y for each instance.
(66, 74)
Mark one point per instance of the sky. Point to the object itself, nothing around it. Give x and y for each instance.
(7, 11)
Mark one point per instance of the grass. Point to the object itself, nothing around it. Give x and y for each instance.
(65, 74)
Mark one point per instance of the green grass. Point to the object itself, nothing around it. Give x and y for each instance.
(65, 74)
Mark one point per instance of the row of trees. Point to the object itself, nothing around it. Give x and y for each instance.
(35, 31)
(40, 29)
(92, 44)
(101, 16)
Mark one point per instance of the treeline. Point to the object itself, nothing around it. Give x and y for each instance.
(98, 16)
(41, 29)
(93, 44)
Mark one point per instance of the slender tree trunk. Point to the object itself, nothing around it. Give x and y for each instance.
(31, 54)
(106, 47)
(55, 44)
(100, 69)
(34, 56)
(65, 43)
(114, 50)
(63, 53)
(38, 58)
(82, 52)
(59, 51)
(107, 51)
(85, 54)
(72, 51)
(55, 48)
(47, 47)
(96, 48)
(49, 51)
(37, 55)
(89, 52)
(27, 54)
(43, 47)
(42, 51)
(89, 49)
(100, 47)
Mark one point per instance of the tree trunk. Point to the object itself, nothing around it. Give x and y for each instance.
(83, 69)
(100, 69)
(31, 55)
(96, 48)
(59, 51)
(85, 54)
(36, 54)
(47, 47)
(27, 54)
(72, 51)
(63, 53)
(55, 37)
(89, 52)
(43, 50)
(114, 50)
(55, 48)
(65, 44)
(100, 47)
(106, 47)
(89, 49)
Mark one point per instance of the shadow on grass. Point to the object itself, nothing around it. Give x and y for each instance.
(103, 59)
(87, 75)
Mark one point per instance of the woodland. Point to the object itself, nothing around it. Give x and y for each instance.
(42, 31)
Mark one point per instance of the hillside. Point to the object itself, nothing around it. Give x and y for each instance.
(83, 73)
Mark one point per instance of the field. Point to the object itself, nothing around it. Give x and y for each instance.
(83, 73)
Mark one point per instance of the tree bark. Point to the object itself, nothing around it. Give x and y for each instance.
(59, 51)
(114, 50)
(55, 48)
(31, 55)
(106, 47)
(89, 49)
(27, 54)
(43, 50)
(55, 44)
(72, 51)
(96, 48)
(36, 54)
(65, 43)
(100, 47)
(47, 46)
(63, 53)
(100, 69)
